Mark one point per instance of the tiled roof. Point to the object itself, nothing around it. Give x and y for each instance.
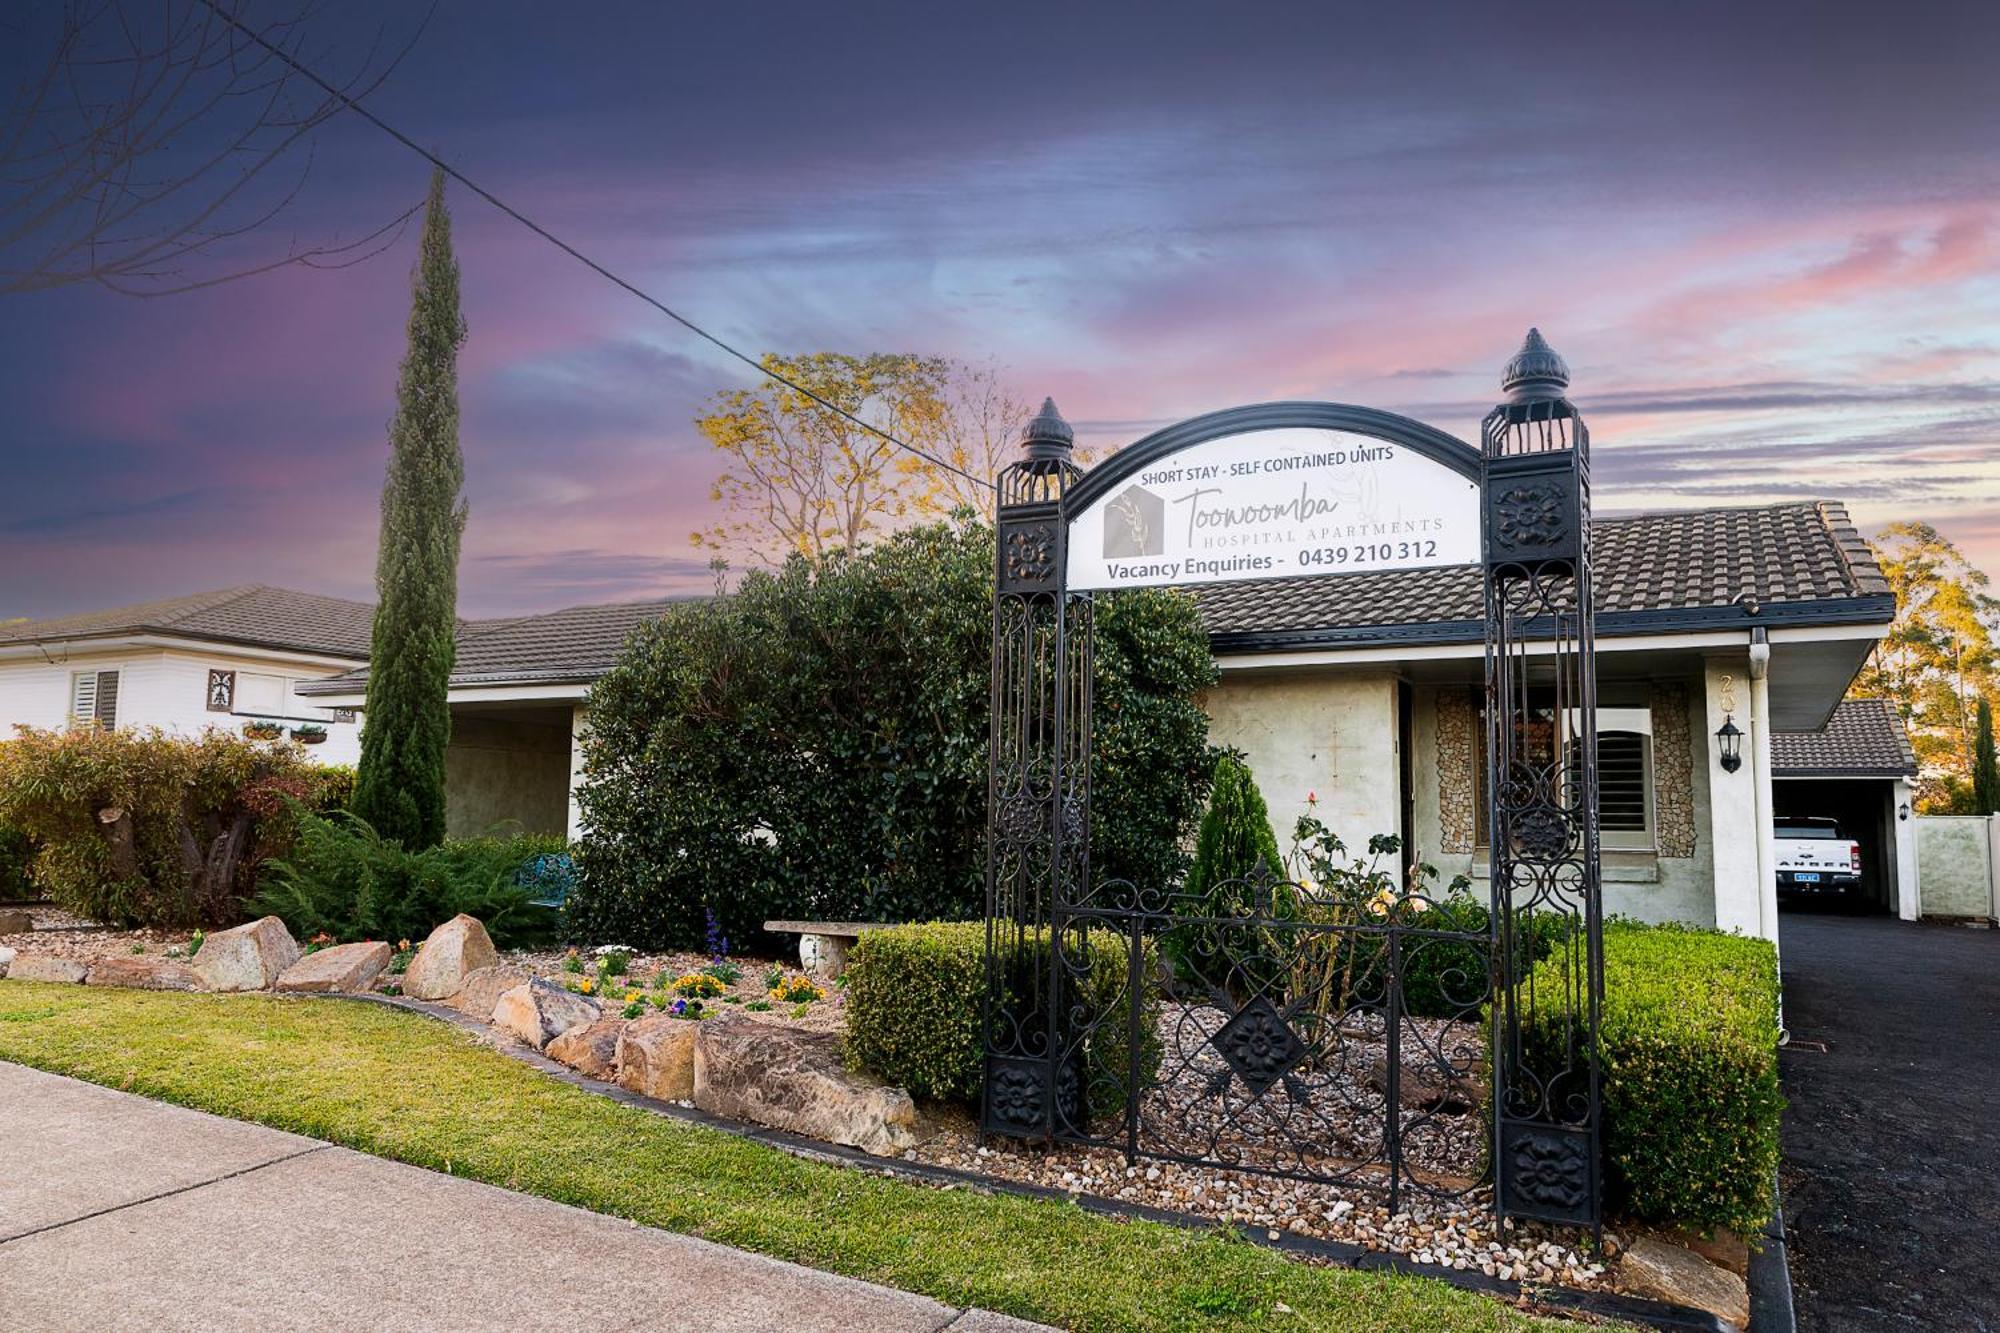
(576, 644)
(1786, 555)
(1863, 738)
(252, 614)
(1805, 557)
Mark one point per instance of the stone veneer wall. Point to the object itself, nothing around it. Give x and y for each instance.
(1457, 751)
(1673, 770)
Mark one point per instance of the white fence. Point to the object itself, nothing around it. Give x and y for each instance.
(1956, 859)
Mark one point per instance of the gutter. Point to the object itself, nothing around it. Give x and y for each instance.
(1871, 610)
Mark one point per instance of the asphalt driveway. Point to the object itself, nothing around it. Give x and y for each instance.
(1892, 1139)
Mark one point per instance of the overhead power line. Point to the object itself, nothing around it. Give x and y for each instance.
(579, 256)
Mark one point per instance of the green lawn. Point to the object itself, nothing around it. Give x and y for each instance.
(414, 1090)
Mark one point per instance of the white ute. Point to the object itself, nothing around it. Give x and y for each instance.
(1813, 857)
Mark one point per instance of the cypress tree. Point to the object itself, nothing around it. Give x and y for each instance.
(1985, 765)
(399, 787)
(1234, 839)
(1235, 832)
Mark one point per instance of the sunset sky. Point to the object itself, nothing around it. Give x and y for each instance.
(1768, 243)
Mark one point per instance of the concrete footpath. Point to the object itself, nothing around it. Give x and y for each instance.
(122, 1213)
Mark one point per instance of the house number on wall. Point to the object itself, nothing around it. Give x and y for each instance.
(221, 691)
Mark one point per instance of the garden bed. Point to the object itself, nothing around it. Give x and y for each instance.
(1335, 1131)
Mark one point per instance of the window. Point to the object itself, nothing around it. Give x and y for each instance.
(1624, 772)
(1625, 789)
(93, 699)
(260, 694)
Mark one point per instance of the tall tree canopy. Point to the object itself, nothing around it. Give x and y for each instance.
(1938, 660)
(801, 480)
(399, 788)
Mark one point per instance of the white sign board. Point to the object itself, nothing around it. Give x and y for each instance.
(1276, 504)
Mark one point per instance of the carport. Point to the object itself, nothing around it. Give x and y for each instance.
(1857, 770)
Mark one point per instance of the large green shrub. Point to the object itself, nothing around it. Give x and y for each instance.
(916, 1004)
(1689, 1042)
(16, 852)
(815, 746)
(344, 880)
(140, 828)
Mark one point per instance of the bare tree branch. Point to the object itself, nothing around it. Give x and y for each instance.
(150, 139)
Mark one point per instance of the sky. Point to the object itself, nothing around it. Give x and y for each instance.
(1766, 238)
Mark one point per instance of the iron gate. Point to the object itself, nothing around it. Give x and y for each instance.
(1350, 1031)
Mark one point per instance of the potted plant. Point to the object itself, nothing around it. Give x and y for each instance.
(262, 729)
(309, 733)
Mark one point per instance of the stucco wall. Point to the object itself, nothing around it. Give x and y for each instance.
(1333, 734)
(499, 773)
(167, 689)
(1955, 865)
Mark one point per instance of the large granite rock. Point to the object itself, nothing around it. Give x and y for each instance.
(344, 967)
(247, 957)
(483, 987)
(46, 967)
(656, 1057)
(591, 1049)
(458, 947)
(15, 923)
(1425, 1083)
(541, 1011)
(142, 973)
(1654, 1268)
(794, 1080)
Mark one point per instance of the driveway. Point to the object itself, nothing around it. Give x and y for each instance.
(1892, 1139)
(118, 1213)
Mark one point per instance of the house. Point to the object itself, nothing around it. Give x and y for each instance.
(1363, 689)
(1368, 691)
(213, 659)
(517, 692)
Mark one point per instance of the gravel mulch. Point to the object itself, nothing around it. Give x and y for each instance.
(1328, 1123)
(61, 935)
(653, 973)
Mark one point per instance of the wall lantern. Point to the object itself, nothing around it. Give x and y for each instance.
(1731, 740)
(1903, 811)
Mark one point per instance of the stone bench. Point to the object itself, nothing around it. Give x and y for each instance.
(823, 945)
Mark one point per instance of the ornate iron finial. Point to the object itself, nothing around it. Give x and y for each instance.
(1048, 438)
(1536, 372)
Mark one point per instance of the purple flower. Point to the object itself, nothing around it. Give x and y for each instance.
(680, 1006)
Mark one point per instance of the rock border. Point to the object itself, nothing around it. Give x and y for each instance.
(1611, 1305)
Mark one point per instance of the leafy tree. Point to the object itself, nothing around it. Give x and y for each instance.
(1985, 765)
(1938, 658)
(399, 790)
(802, 480)
(816, 746)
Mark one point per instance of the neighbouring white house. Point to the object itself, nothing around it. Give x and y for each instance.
(218, 659)
(1364, 689)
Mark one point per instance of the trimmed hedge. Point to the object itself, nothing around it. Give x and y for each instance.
(915, 1003)
(1689, 1037)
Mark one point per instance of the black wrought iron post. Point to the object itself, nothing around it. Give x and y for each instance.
(1038, 794)
(1542, 799)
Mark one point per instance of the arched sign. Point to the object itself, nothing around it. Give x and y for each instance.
(1280, 490)
(1245, 1070)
